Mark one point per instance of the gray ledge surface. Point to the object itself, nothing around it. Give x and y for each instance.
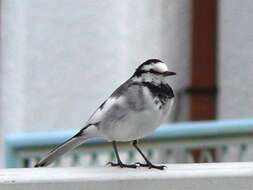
(218, 176)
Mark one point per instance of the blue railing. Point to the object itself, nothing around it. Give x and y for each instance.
(167, 132)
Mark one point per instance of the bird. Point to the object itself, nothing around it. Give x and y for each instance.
(135, 109)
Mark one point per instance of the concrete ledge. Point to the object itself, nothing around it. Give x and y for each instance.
(218, 176)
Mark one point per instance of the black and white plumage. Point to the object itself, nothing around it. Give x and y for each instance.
(134, 110)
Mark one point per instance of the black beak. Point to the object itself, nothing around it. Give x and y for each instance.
(168, 73)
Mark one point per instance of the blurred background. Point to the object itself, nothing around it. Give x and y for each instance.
(60, 59)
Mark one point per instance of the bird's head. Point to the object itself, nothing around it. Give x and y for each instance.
(152, 69)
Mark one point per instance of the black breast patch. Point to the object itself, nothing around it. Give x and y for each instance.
(162, 91)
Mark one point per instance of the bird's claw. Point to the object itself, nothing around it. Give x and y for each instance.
(121, 165)
(150, 165)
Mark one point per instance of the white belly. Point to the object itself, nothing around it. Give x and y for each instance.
(137, 125)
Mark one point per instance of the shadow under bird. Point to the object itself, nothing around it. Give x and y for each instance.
(134, 110)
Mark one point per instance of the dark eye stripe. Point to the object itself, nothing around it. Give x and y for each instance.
(151, 71)
(140, 72)
(155, 72)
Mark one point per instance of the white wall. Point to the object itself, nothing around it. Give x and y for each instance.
(61, 59)
(235, 58)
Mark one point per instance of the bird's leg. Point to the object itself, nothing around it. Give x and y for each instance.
(148, 163)
(119, 162)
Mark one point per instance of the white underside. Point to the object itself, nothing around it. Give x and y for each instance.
(137, 124)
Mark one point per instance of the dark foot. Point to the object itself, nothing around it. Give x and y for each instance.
(120, 164)
(150, 165)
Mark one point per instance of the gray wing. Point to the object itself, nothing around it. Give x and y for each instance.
(128, 97)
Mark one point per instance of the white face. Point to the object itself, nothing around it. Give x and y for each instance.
(158, 67)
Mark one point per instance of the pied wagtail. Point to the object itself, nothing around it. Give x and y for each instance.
(134, 110)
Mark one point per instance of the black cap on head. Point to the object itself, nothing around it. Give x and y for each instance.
(148, 62)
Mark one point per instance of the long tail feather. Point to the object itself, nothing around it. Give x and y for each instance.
(60, 150)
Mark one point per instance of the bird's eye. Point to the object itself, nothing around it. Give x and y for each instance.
(154, 72)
